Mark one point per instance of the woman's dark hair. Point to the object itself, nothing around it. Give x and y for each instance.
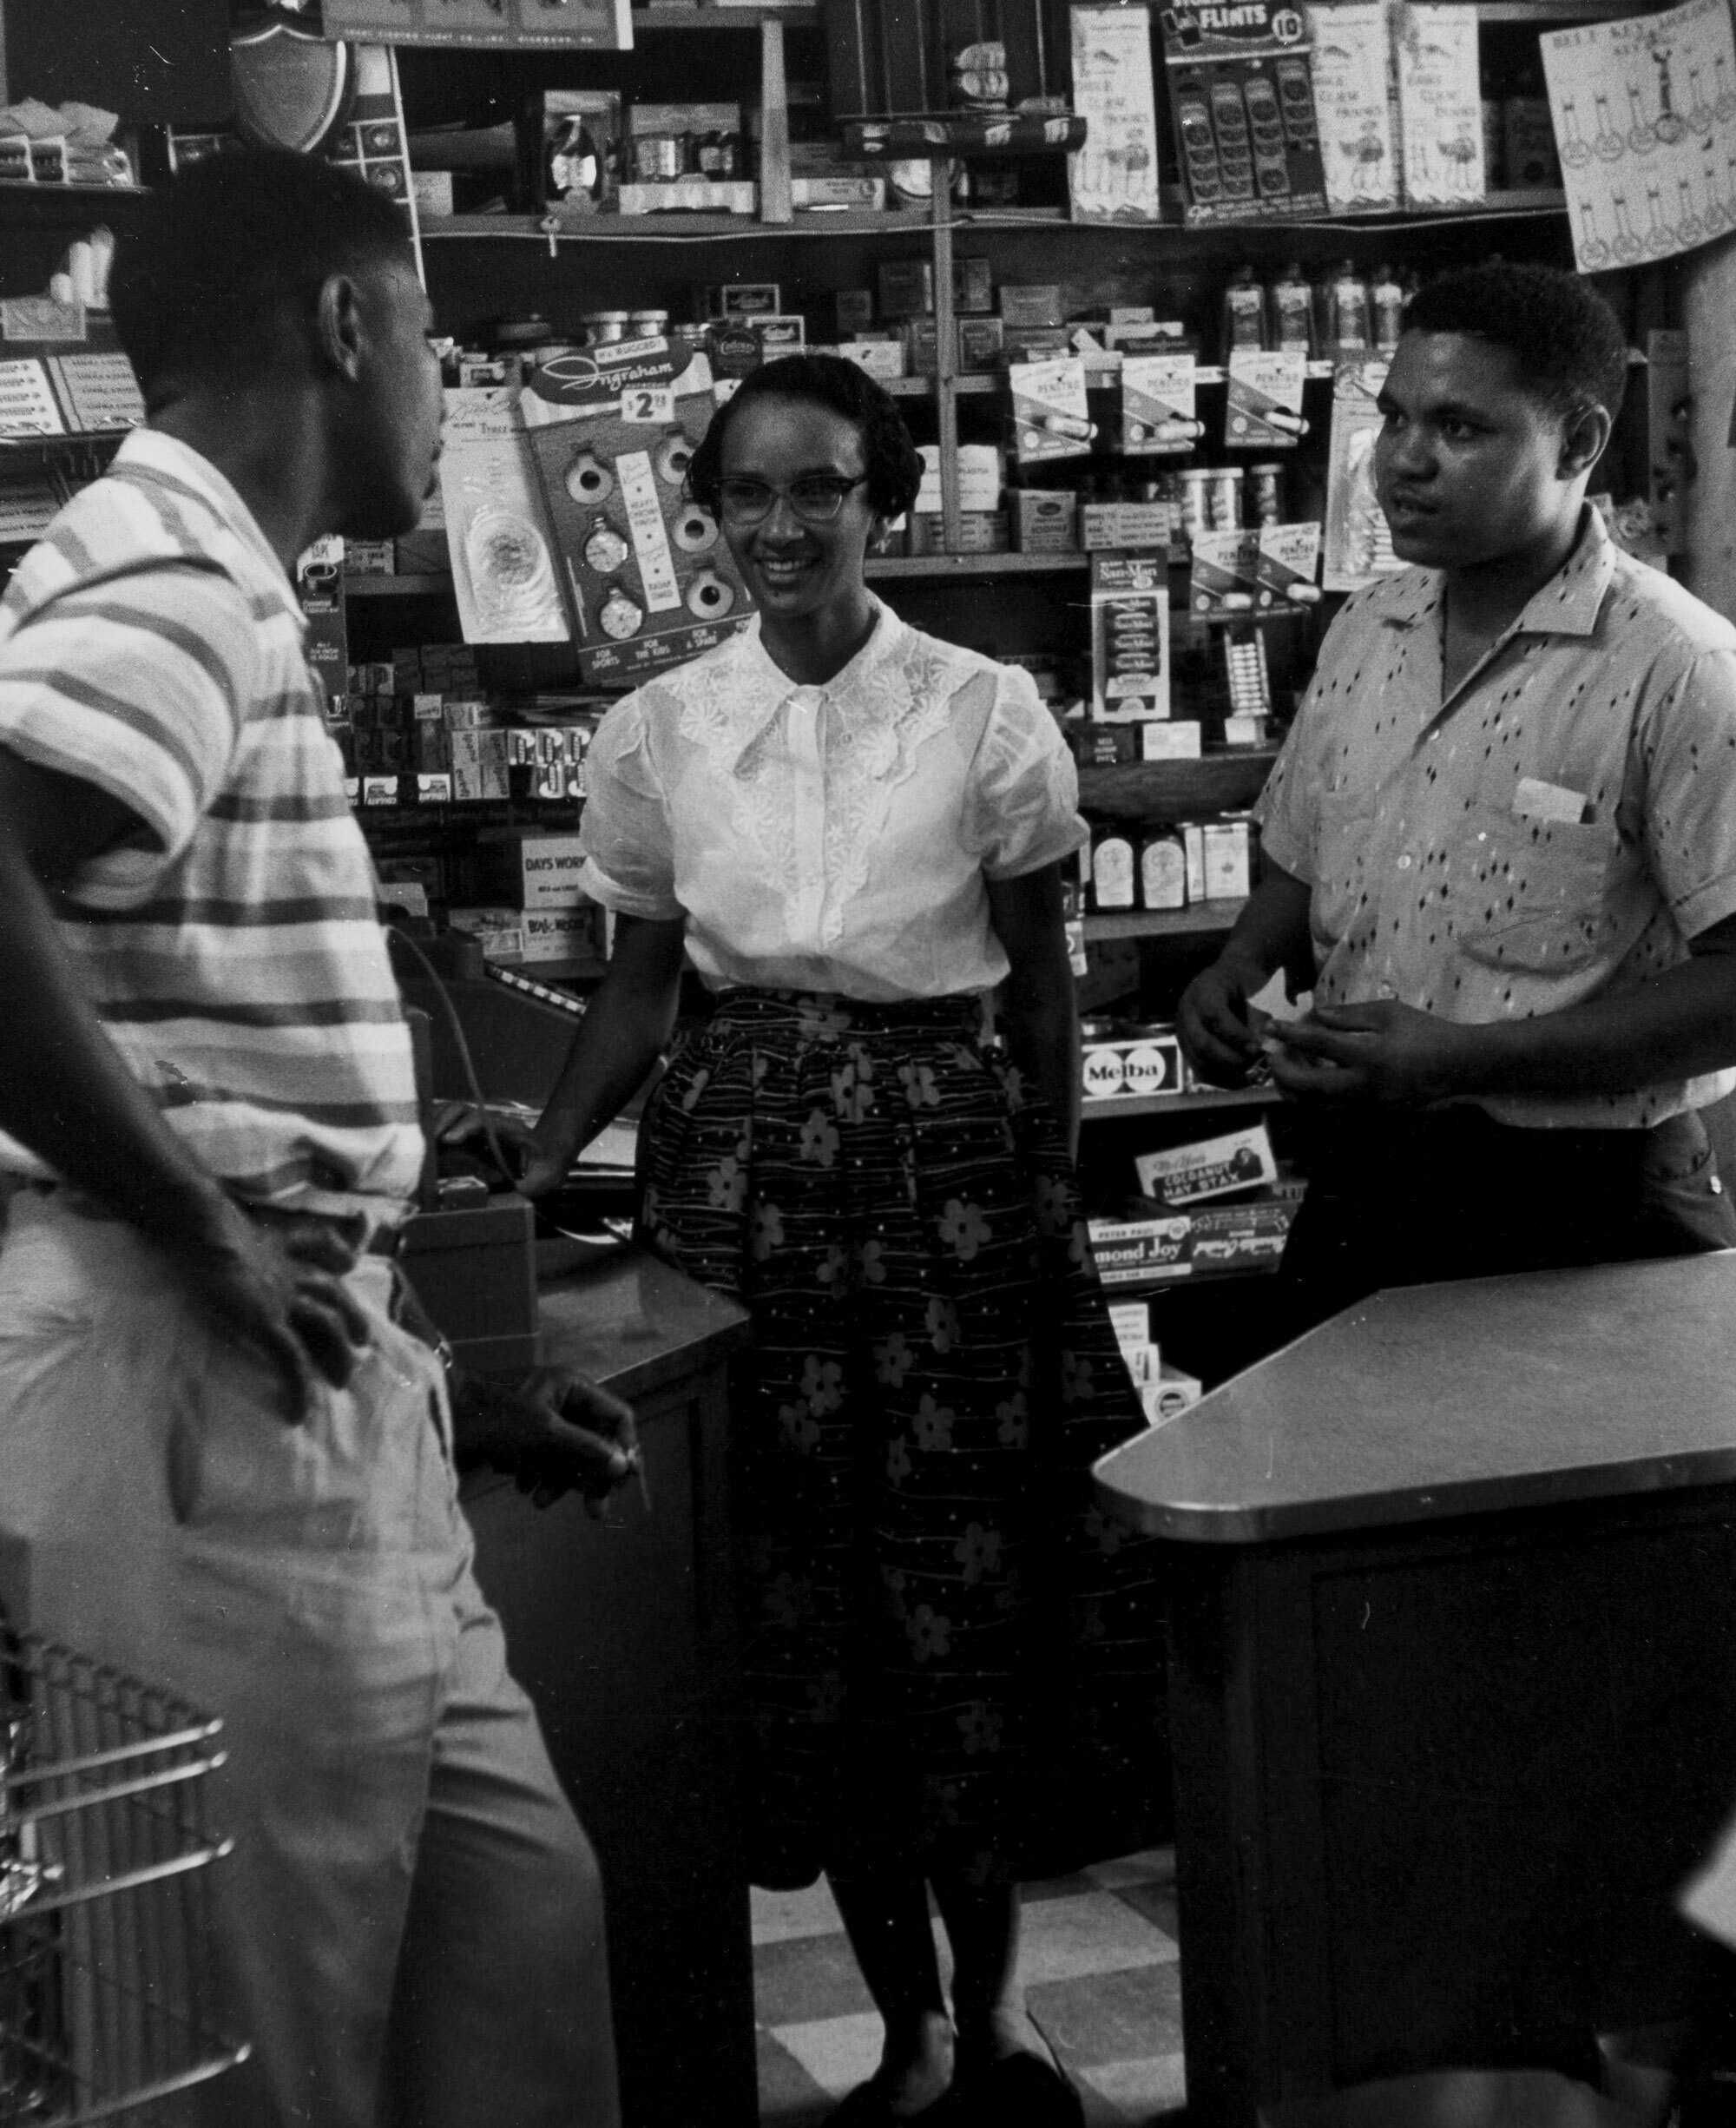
(231, 256)
(891, 461)
(1565, 341)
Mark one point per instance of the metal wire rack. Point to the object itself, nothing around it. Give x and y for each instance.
(107, 1994)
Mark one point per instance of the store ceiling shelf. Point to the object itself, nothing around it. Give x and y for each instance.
(1130, 1105)
(725, 14)
(1200, 920)
(1177, 790)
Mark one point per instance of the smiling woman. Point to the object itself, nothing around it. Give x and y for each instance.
(855, 831)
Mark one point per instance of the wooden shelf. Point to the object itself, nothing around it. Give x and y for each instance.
(943, 565)
(666, 15)
(1176, 1105)
(436, 585)
(1177, 790)
(1200, 919)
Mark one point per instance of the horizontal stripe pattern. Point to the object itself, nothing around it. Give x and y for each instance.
(150, 645)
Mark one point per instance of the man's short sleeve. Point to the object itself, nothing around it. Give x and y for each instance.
(1687, 742)
(139, 685)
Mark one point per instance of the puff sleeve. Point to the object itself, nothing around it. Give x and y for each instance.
(1023, 809)
(624, 830)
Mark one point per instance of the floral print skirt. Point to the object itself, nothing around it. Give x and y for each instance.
(953, 1654)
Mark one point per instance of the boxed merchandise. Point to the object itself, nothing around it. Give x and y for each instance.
(1050, 419)
(1241, 95)
(531, 868)
(1129, 635)
(973, 286)
(981, 343)
(1172, 739)
(1228, 857)
(1029, 303)
(1044, 520)
(1118, 526)
(885, 359)
(1128, 1066)
(1168, 1393)
(1289, 559)
(370, 557)
(496, 529)
(852, 312)
(1203, 1241)
(980, 531)
(1162, 862)
(691, 195)
(741, 299)
(1033, 343)
(836, 189)
(781, 332)
(1210, 1168)
(1224, 574)
(982, 474)
(1157, 407)
(561, 934)
(906, 287)
(479, 765)
(498, 930)
(649, 579)
(1263, 405)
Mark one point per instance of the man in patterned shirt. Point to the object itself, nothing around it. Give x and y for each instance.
(228, 1464)
(1500, 844)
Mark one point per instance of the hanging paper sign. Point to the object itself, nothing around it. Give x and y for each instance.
(1644, 119)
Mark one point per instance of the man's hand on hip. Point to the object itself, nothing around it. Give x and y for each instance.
(283, 1295)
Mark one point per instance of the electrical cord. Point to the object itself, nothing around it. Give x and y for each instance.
(510, 1169)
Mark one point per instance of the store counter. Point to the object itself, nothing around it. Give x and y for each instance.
(622, 1633)
(1453, 1673)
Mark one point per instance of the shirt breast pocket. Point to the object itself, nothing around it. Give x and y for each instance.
(1535, 893)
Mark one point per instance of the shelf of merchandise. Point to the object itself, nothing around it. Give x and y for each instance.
(1133, 1105)
(886, 565)
(1200, 919)
(1177, 790)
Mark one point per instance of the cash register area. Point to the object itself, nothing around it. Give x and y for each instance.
(1102, 1980)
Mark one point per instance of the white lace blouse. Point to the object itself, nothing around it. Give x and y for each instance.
(833, 837)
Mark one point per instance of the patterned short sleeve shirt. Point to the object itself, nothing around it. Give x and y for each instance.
(1556, 830)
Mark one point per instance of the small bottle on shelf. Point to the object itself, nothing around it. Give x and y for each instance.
(1112, 869)
(1244, 319)
(1386, 308)
(1291, 306)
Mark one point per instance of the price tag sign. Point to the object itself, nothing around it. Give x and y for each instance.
(645, 406)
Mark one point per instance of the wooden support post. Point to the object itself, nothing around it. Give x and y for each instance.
(945, 353)
(774, 125)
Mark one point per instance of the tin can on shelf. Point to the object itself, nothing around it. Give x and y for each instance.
(647, 325)
(1223, 498)
(603, 326)
(1265, 494)
(1192, 503)
(658, 156)
(717, 154)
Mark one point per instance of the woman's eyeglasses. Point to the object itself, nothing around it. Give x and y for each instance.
(816, 499)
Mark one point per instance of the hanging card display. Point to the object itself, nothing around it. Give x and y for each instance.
(521, 25)
(503, 568)
(1644, 118)
(1241, 95)
(1114, 177)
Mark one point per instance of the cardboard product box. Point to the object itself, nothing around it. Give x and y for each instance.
(852, 312)
(1131, 1066)
(1168, 1393)
(648, 576)
(1132, 1252)
(1033, 343)
(1129, 635)
(1102, 746)
(531, 868)
(1116, 527)
(973, 285)
(1045, 520)
(739, 299)
(1228, 855)
(1050, 418)
(561, 934)
(836, 189)
(1216, 1167)
(370, 557)
(885, 359)
(691, 195)
(1158, 411)
(982, 476)
(1172, 739)
(980, 531)
(981, 343)
(432, 190)
(497, 930)
(906, 288)
(433, 789)
(479, 765)
(1029, 303)
(780, 333)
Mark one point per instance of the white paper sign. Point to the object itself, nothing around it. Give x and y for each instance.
(1353, 98)
(1644, 118)
(1114, 177)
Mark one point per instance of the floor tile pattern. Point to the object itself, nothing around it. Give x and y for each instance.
(1101, 1982)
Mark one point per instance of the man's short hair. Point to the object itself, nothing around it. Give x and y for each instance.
(234, 252)
(1569, 348)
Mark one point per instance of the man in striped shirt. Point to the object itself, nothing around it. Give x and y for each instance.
(226, 1463)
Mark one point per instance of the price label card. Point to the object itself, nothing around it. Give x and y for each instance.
(645, 406)
(27, 406)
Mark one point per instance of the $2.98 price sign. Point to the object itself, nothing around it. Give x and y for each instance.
(646, 405)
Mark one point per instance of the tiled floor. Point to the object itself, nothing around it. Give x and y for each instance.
(1099, 1968)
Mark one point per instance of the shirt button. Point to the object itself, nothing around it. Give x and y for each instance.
(1387, 990)
(1404, 862)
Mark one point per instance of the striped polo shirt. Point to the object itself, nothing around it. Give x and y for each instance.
(151, 644)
